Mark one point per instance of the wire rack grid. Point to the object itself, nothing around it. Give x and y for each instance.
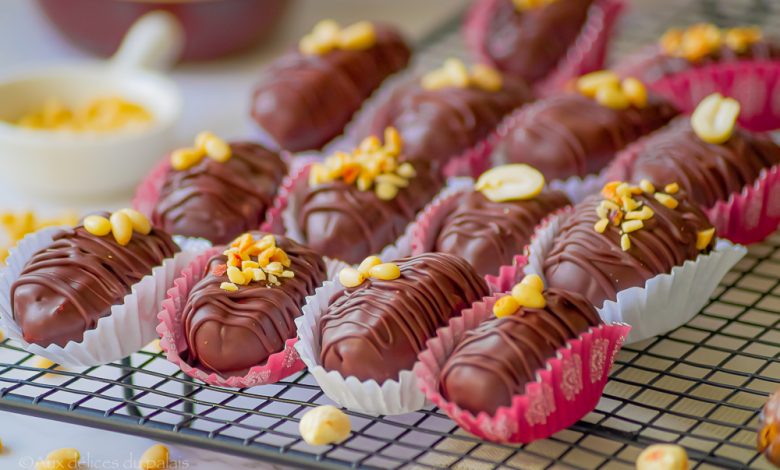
(700, 386)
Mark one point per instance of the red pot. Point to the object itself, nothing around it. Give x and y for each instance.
(213, 28)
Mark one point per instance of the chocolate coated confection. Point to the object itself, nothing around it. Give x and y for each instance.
(662, 65)
(229, 332)
(530, 43)
(219, 201)
(342, 222)
(496, 360)
(489, 234)
(68, 286)
(571, 135)
(304, 101)
(708, 172)
(375, 330)
(593, 264)
(439, 124)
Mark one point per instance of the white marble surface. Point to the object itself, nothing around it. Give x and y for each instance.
(216, 98)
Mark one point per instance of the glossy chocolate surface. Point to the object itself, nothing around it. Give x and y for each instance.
(68, 286)
(219, 201)
(304, 101)
(496, 360)
(437, 125)
(530, 43)
(375, 330)
(571, 135)
(342, 222)
(489, 234)
(229, 332)
(593, 264)
(708, 172)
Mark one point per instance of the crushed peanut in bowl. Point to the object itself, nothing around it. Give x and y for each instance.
(102, 114)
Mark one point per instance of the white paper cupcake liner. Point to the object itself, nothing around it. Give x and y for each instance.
(666, 301)
(392, 397)
(129, 327)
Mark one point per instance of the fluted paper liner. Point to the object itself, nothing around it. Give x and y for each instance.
(586, 54)
(173, 341)
(282, 216)
(755, 84)
(666, 301)
(568, 388)
(129, 327)
(392, 397)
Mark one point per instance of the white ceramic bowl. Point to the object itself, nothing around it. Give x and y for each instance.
(86, 164)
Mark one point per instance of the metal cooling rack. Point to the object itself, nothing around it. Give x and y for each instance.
(700, 386)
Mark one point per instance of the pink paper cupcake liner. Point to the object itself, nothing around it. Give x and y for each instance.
(748, 216)
(587, 54)
(755, 84)
(568, 388)
(148, 191)
(278, 365)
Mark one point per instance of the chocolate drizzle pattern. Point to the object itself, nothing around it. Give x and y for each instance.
(489, 234)
(68, 286)
(375, 330)
(219, 201)
(437, 125)
(229, 332)
(342, 222)
(571, 135)
(496, 360)
(708, 172)
(530, 43)
(304, 101)
(593, 264)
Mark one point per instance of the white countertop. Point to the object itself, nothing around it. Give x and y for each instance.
(216, 97)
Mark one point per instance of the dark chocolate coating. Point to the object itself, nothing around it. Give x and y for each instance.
(593, 264)
(342, 222)
(375, 330)
(662, 65)
(437, 125)
(708, 172)
(304, 101)
(571, 135)
(530, 43)
(496, 360)
(68, 286)
(219, 201)
(489, 234)
(230, 332)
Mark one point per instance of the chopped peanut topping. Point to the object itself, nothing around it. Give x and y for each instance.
(647, 186)
(327, 36)
(714, 118)
(625, 242)
(241, 269)
(371, 267)
(704, 237)
(105, 114)
(121, 224)
(671, 188)
(608, 90)
(512, 182)
(523, 5)
(701, 40)
(601, 225)
(371, 165)
(666, 200)
(739, 39)
(454, 73)
(206, 145)
(526, 293)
